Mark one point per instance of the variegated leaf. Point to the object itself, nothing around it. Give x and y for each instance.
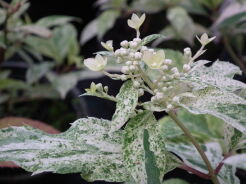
(151, 38)
(86, 148)
(190, 156)
(224, 105)
(127, 100)
(135, 153)
(238, 161)
(218, 75)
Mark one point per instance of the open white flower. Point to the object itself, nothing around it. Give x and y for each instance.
(108, 45)
(204, 39)
(96, 64)
(154, 59)
(135, 22)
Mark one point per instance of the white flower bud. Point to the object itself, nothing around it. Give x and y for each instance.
(132, 55)
(123, 77)
(129, 63)
(124, 43)
(117, 52)
(132, 67)
(174, 70)
(167, 61)
(176, 75)
(187, 52)
(96, 64)
(138, 55)
(133, 44)
(169, 107)
(164, 67)
(135, 63)
(105, 88)
(99, 86)
(125, 69)
(135, 22)
(186, 67)
(140, 92)
(137, 40)
(123, 52)
(144, 48)
(136, 84)
(153, 99)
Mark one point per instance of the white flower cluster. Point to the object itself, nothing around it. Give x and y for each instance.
(135, 57)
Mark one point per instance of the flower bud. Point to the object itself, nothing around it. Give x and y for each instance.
(159, 95)
(174, 70)
(129, 63)
(144, 48)
(123, 77)
(140, 92)
(132, 68)
(135, 63)
(187, 52)
(137, 40)
(124, 44)
(169, 107)
(186, 67)
(167, 61)
(136, 84)
(164, 67)
(138, 55)
(125, 69)
(175, 99)
(133, 44)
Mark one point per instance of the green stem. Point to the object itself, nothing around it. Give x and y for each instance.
(236, 59)
(197, 146)
(187, 133)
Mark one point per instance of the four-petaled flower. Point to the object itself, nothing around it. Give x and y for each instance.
(154, 59)
(135, 22)
(204, 39)
(96, 64)
(108, 45)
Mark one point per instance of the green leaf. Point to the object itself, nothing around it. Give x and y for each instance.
(175, 181)
(212, 4)
(12, 84)
(36, 30)
(232, 21)
(58, 46)
(152, 171)
(213, 151)
(37, 71)
(99, 26)
(86, 148)
(216, 93)
(127, 100)
(2, 15)
(54, 20)
(151, 38)
(238, 161)
(137, 156)
(182, 23)
(226, 106)
(203, 127)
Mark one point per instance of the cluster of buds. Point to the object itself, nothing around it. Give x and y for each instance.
(134, 57)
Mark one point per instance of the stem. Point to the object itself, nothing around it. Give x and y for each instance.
(146, 78)
(194, 171)
(195, 143)
(236, 59)
(198, 53)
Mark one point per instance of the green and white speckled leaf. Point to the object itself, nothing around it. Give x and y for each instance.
(224, 105)
(85, 148)
(218, 75)
(151, 38)
(214, 153)
(127, 100)
(238, 161)
(134, 151)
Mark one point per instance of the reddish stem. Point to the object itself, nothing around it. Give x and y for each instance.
(218, 168)
(194, 171)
